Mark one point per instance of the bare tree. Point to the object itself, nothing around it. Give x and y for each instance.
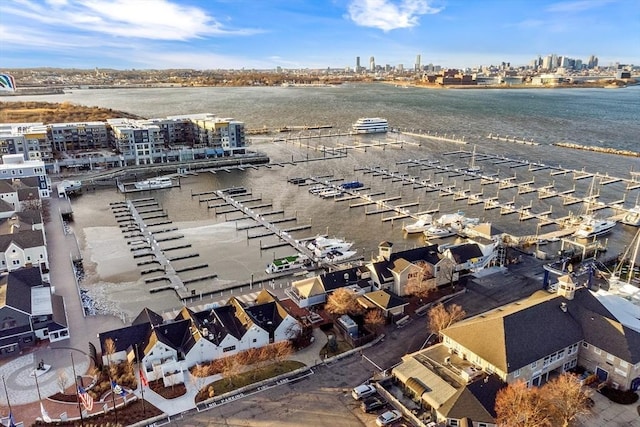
(566, 398)
(230, 367)
(343, 301)
(198, 376)
(421, 281)
(375, 320)
(519, 406)
(62, 380)
(110, 349)
(441, 317)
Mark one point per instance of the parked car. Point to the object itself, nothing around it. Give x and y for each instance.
(362, 391)
(372, 403)
(388, 417)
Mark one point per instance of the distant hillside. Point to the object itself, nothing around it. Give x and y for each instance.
(52, 112)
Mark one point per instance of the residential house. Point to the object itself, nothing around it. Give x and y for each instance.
(468, 256)
(392, 271)
(165, 348)
(314, 290)
(391, 305)
(29, 311)
(23, 248)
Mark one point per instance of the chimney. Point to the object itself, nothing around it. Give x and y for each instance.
(563, 306)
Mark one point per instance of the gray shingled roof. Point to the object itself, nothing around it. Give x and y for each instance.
(518, 334)
(24, 239)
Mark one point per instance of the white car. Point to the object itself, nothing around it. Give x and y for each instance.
(363, 391)
(388, 417)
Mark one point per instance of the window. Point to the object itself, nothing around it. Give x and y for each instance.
(230, 348)
(453, 423)
(585, 344)
(624, 364)
(569, 365)
(534, 364)
(572, 349)
(596, 350)
(516, 373)
(610, 357)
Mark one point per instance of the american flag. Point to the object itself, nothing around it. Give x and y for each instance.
(85, 398)
(143, 379)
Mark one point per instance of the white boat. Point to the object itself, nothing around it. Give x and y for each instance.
(317, 189)
(592, 227)
(321, 246)
(438, 232)
(291, 262)
(456, 221)
(370, 125)
(330, 193)
(423, 222)
(155, 183)
(338, 255)
(632, 217)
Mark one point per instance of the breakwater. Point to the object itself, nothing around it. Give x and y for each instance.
(596, 149)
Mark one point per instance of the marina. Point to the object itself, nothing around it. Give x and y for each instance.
(336, 152)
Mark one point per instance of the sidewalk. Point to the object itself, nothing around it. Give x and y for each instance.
(310, 356)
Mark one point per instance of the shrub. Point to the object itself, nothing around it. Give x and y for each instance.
(618, 396)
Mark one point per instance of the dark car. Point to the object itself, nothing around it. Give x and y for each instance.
(372, 403)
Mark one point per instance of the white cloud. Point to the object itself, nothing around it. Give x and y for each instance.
(148, 19)
(576, 6)
(389, 15)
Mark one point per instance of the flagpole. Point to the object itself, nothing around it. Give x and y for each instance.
(140, 379)
(75, 380)
(113, 394)
(7, 393)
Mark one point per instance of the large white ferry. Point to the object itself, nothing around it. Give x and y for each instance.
(370, 125)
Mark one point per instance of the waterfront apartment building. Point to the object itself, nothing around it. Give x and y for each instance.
(136, 142)
(138, 139)
(224, 135)
(66, 137)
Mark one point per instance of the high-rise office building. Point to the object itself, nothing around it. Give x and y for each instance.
(357, 64)
(418, 62)
(372, 64)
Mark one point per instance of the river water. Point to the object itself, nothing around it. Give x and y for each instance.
(601, 117)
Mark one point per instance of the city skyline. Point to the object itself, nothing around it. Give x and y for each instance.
(199, 34)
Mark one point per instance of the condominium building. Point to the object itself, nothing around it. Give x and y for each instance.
(137, 142)
(78, 136)
(139, 139)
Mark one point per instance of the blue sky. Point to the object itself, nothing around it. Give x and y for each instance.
(212, 34)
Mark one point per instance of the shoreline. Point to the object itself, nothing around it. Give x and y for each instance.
(516, 87)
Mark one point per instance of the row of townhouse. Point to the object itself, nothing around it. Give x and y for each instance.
(29, 309)
(393, 272)
(139, 142)
(531, 340)
(166, 347)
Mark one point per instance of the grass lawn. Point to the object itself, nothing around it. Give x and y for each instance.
(246, 378)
